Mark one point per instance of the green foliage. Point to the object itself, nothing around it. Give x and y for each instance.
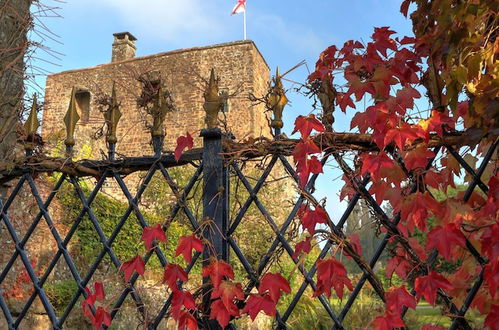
(60, 293)
(108, 213)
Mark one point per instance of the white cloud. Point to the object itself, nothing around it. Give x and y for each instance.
(296, 36)
(187, 23)
(166, 20)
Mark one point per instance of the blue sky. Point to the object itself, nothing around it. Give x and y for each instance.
(286, 32)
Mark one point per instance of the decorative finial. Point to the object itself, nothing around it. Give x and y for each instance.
(213, 102)
(31, 125)
(112, 117)
(70, 119)
(158, 112)
(276, 101)
(326, 94)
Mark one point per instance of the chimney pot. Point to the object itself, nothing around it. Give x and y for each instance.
(123, 46)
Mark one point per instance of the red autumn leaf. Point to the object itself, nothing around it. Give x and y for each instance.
(398, 265)
(405, 97)
(310, 218)
(438, 120)
(434, 179)
(360, 120)
(373, 163)
(227, 291)
(418, 158)
(187, 322)
(404, 7)
(312, 165)
(181, 298)
(492, 319)
(349, 46)
(407, 40)
(380, 188)
(217, 270)
(185, 246)
(101, 317)
(257, 303)
(306, 124)
(172, 274)
(303, 149)
(99, 291)
(414, 210)
(87, 303)
(274, 283)
(222, 313)
(331, 272)
(397, 298)
(91, 298)
(149, 234)
(355, 243)
(359, 88)
(303, 247)
(135, 264)
(400, 136)
(490, 241)
(428, 285)
(491, 276)
(344, 101)
(388, 322)
(444, 239)
(182, 143)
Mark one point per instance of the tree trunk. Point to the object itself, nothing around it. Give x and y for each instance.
(15, 22)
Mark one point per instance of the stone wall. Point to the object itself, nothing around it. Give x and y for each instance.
(239, 65)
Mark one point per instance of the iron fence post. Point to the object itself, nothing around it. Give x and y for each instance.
(215, 208)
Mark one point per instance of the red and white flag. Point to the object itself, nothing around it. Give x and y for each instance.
(240, 7)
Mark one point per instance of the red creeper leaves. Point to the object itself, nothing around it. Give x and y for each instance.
(227, 291)
(303, 247)
(217, 270)
(149, 234)
(344, 101)
(418, 158)
(397, 298)
(257, 303)
(135, 264)
(101, 317)
(172, 274)
(223, 313)
(492, 319)
(428, 285)
(310, 218)
(305, 125)
(186, 245)
(388, 322)
(307, 166)
(181, 298)
(274, 283)
(187, 321)
(182, 143)
(372, 164)
(331, 273)
(444, 239)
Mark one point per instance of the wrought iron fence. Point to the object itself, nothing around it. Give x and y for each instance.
(214, 170)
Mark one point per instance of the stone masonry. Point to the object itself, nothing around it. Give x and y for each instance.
(239, 65)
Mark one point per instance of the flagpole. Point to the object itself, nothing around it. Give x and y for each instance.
(244, 19)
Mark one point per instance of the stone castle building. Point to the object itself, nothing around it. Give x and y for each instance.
(239, 65)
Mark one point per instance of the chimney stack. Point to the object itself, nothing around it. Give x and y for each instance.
(123, 46)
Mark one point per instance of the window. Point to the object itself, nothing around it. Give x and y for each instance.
(83, 105)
